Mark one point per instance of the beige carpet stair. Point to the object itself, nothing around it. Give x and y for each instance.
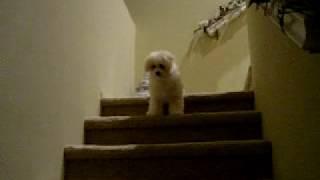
(219, 138)
(172, 129)
(233, 101)
(238, 160)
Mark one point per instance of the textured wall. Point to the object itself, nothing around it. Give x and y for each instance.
(56, 57)
(206, 65)
(287, 87)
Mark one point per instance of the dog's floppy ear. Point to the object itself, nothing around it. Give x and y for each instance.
(168, 56)
(169, 59)
(147, 64)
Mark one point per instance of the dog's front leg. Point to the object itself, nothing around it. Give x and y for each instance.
(176, 106)
(155, 107)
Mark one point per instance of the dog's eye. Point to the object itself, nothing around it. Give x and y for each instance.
(161, 66)
(153, 66)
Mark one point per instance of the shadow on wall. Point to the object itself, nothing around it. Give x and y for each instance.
(217, 65)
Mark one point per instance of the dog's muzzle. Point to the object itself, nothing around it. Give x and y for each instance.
(158, 73)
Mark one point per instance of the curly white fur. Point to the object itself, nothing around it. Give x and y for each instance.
(165, 83)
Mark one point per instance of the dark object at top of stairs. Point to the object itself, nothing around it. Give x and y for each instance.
(309, 9)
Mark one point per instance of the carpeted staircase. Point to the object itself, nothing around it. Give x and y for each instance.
(219, 138)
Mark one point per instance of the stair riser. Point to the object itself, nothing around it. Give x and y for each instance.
(172, 134)
(250, 167)
(141, 109)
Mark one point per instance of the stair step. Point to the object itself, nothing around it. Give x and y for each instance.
(171, 129)
(193, 103)
(220, 160)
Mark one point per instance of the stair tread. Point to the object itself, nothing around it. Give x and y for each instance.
(191, 149)
(197, 119)
(193, 103)
(188, 97)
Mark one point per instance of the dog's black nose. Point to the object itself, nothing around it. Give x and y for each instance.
(158, 73)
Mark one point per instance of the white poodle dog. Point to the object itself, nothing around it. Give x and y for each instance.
(165, 84)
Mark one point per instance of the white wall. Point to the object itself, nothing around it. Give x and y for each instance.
(56, 57)
(208, 65)
(287, 87)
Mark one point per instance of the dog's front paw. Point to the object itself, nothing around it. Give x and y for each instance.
(180, 112)
(177, 107)
(153, 113)
(149, 113)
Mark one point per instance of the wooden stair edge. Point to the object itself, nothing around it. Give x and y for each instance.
(217, 148)
(188, 97)
(214, 118)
